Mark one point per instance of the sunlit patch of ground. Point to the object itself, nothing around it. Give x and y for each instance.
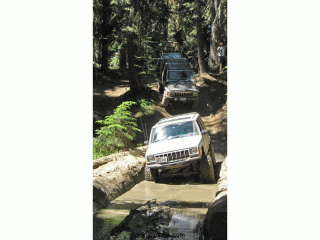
(217, 122)
(117, 91)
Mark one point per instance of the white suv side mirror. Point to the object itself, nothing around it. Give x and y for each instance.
(204, 132)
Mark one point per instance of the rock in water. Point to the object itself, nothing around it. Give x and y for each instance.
(149, 221)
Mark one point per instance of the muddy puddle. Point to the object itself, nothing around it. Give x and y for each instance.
(185, 204)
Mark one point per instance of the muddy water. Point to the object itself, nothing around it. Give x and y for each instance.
(187, 201)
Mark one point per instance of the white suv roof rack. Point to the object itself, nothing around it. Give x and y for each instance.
(192, 115)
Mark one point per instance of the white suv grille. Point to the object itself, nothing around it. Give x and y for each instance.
(176, 155)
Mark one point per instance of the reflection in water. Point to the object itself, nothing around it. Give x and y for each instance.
(103, 227)
(186, 226)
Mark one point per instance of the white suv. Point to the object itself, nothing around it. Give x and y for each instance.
(179, 141)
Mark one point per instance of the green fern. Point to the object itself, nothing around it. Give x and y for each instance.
(147, 106)
(117, 132)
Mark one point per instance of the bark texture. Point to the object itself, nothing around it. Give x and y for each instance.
(202, 63)
(131, 59)
(106, 13)
(218, 30)
(120, 173)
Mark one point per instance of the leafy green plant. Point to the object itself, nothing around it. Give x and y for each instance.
(114, 61)
(146, 106)
(117, 132)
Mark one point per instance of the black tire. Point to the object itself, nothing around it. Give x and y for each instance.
(151, 175)
(161, 89)
(206, 169)
(195, 104)
(213, 158)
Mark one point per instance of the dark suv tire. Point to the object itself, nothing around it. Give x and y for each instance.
(195, 103)
(161, 88)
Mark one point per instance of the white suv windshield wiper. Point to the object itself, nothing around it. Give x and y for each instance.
(172, 137)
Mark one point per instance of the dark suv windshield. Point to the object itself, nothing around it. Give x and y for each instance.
(179, 75)
(171, 55)
(175, 130)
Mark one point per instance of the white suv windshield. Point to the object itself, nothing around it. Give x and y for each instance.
(175, 130)
(179, 75)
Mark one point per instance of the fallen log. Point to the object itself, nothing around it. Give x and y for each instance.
(137, 152)
(115, 178)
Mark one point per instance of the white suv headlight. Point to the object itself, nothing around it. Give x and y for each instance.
(193, 151)
(150, 158)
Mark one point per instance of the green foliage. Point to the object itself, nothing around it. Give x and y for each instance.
(117, 132)
(115, 62)
(117, 2)
(147, 106)
(154, 26)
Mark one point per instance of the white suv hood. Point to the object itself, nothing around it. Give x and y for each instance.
(173, 145)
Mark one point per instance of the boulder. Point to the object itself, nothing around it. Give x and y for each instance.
(150, 220)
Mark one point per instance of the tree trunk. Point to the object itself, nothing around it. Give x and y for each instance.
(122, 59)
(104, 58)
(218, 31)
(202, 63)
(106, 13)
(130, 50)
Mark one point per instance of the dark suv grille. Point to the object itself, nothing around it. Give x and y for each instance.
(177, 155)
(183, 94)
